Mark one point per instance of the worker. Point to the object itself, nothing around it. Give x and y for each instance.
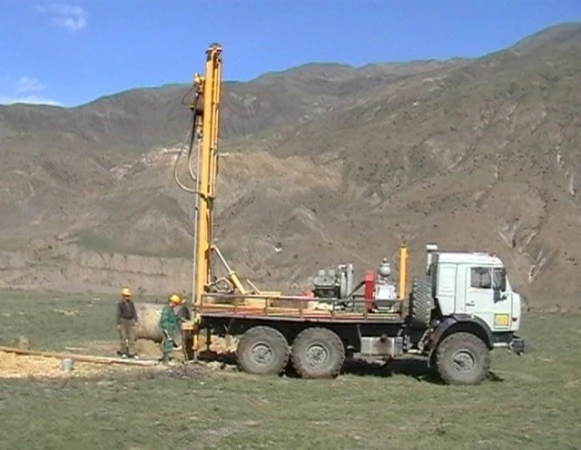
(182, 312)
(169, 324)
(126, 323)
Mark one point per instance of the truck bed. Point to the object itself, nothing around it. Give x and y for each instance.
(262, 308)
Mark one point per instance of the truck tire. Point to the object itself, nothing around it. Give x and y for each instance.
(421, 302)
(317, 353)
(462, 359)
(263, 350)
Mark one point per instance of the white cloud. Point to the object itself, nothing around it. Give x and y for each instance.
(22, 94)
(29, 99)
(29, 85)
(71, 17)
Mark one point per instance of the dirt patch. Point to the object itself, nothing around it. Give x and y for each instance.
(22, 366)
(66, 313)
(148, 349)
(218, 344)
(145, 349)
(184, 371)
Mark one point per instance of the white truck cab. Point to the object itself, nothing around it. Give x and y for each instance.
(473, 287)
(470, 308)
(475, 284)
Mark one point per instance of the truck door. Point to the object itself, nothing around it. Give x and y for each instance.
(485, 299)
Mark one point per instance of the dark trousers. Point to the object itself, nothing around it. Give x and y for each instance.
(127, 336)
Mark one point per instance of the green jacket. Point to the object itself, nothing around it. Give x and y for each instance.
(168, 320)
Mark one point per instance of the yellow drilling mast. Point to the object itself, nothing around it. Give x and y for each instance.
(208, 90)
(205, 134)
(206, 130)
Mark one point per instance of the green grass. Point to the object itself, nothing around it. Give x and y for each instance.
(535, 405)
(52, 321)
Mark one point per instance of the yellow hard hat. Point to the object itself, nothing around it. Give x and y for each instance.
(125, 292)
(175, 298)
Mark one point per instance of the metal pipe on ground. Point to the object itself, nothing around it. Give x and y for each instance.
(76, 357)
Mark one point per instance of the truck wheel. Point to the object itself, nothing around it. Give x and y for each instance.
(462, 359)
(263, 351)
(421, 302)
(317, 353)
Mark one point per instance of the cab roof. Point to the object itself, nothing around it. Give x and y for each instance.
(488, 259)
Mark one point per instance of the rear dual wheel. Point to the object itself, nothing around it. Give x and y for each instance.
(317, 353)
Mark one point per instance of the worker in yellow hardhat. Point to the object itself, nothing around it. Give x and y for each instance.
(126, 323)
(169, 324)
(179, 308)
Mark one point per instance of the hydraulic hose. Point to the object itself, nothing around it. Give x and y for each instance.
(175, 172)
(190, 136)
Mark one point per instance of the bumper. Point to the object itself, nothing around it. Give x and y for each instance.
(517, 345)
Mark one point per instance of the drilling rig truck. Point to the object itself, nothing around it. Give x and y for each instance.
(456, 312)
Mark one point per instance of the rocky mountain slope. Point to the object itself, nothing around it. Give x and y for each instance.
(321, 164)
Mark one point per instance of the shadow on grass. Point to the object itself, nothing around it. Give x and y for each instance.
(415, 368)
(410, 367)
(228, 358)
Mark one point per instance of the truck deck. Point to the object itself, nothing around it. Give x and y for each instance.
(288, 308)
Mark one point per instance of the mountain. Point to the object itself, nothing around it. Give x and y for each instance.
(321, 164)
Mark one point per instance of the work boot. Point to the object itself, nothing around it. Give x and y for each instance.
(165, 359)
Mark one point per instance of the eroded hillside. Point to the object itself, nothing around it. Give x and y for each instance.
(321, 164)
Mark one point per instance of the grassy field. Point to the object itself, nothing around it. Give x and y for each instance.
(531, 402)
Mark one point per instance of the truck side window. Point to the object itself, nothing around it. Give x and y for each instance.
(480, 278)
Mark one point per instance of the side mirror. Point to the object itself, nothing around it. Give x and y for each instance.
(499, 280)
(503, 281)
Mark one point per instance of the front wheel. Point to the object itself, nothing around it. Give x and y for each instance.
(462, 359)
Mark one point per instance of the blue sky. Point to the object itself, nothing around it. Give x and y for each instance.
(72, 51)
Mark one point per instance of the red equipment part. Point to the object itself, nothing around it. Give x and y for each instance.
(369, 281)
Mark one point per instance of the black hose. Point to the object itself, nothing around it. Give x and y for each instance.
(196, 116)
(186, 94)
(355, 289)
